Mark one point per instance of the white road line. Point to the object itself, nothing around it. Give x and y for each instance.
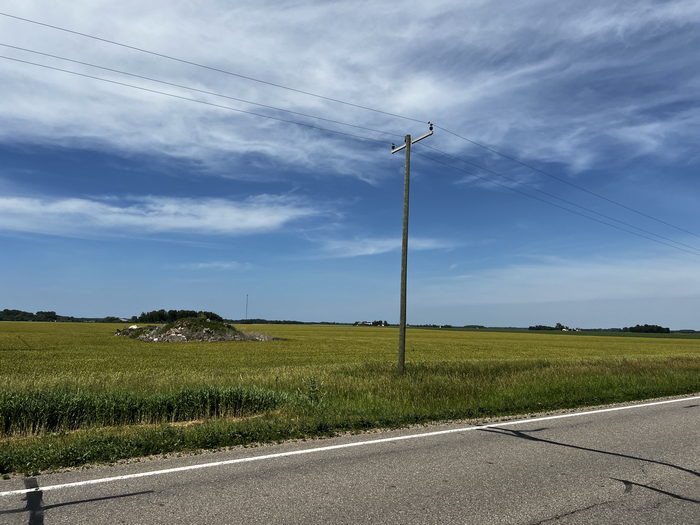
(336, 447)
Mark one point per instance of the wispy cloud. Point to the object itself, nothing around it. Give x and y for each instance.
(139, 215)
(375, 246)
(548, 80)
(497, 180)
(560, 279)
(217, 265)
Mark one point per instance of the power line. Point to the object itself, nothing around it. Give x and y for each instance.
(211, 68)
(359, 137)
(564, 181)
(562, 199)
(351, 104)
(190, 88)
(647, 232)
(221, 106)
(520, 192)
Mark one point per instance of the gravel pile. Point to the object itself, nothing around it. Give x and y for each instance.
(190, 329)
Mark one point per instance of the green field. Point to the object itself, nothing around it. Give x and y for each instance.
(72, 394)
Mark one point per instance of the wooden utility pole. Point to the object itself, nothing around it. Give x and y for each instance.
(404, 241)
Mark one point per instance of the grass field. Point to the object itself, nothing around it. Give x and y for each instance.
(72, 394)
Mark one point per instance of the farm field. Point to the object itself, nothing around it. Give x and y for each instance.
(72, 394)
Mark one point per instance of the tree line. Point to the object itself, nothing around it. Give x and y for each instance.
(558, 326)
(640, 328)
(647, 329)
(168, 316)
(52, 317)
(21, 315)
(155, 316)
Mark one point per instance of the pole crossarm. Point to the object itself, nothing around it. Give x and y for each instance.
(395, 148)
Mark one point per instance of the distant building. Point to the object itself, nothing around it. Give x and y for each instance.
(372, 323)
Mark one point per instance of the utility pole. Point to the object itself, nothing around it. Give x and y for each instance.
(246, 307)
(404, 240)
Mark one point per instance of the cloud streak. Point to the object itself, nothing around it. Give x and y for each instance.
(150, 215)
(217, 265)
(560, 279)
(360, 247)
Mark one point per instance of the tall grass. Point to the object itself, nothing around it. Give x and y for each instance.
(33, 412)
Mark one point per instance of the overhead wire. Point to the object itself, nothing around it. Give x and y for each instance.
(210, 68)
(559, 198)
(221, 106)
(647, 236)
(191, 88)
(569, 210)
(198, 90)
(564, 181)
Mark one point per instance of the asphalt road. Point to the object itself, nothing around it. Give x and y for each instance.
(637, 465)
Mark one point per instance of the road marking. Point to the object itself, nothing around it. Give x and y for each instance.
(337, 447)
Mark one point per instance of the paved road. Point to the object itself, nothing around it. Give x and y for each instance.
(637, 465)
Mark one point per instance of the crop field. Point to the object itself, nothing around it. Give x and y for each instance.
(72, 394)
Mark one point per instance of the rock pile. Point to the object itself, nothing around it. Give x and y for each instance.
(190, 329)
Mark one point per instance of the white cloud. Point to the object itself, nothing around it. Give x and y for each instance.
(545, 79)
(150, 215)
(375, 246)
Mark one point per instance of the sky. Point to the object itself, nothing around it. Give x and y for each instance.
(560, 184)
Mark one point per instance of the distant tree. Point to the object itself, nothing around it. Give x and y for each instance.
(210, 315)
(45, 316)
(648, 329)
(16, 315)
(169, 316)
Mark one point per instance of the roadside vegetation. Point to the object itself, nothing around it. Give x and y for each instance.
(73, 393)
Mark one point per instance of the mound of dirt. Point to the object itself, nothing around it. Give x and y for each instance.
(189, 329)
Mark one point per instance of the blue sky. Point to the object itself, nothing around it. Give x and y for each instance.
(115, 200)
